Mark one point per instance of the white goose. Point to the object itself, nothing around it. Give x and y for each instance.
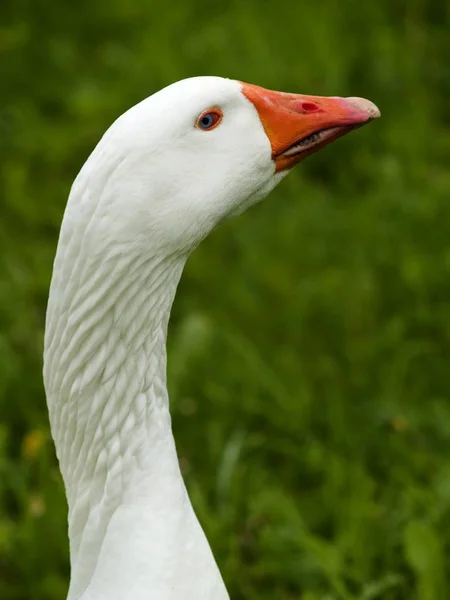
(162, 177)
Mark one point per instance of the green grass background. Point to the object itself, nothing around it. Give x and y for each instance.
(310, 339)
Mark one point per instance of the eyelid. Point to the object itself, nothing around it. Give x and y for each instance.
(216, 112)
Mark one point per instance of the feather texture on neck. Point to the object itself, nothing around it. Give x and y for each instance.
(131, 525)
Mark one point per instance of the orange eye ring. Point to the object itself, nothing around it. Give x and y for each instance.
(209, 119)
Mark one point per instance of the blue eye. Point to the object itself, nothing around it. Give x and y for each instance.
(206, 121)
(209, 119)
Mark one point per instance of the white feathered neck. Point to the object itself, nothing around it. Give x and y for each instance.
(133, 533)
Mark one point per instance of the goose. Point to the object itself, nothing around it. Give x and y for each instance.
(162, 177)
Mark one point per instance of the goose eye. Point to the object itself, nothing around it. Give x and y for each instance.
(209, 119)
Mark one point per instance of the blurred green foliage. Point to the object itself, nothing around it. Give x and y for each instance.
(310, 340)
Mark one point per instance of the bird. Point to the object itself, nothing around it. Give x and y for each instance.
(164, 175)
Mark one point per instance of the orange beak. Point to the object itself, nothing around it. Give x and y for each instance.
(299, 125)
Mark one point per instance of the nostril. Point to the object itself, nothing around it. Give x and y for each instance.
(310, 107)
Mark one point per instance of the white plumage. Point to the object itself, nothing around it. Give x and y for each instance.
(153, 188)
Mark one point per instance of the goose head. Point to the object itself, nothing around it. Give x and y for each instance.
(202, 150)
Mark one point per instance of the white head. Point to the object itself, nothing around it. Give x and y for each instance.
(200, 150)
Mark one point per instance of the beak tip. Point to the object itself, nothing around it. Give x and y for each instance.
(367, 106)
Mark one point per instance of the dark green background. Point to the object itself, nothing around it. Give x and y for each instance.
(309, 346)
